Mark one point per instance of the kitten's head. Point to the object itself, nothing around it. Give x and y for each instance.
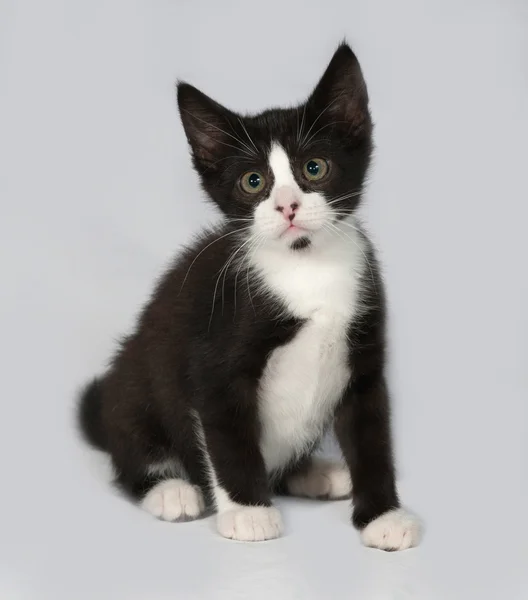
(285, 174)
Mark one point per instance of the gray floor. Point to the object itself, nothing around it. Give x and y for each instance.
(96, 194)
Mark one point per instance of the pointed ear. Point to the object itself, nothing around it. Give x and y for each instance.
(342, 92)
(205, 123)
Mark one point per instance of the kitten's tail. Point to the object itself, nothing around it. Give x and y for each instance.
(90, 414)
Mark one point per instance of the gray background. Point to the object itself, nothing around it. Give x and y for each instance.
(97, 194)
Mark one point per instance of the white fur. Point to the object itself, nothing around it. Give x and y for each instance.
(221, 497)
(324, 479)
(304, 380)
(165, 468)
(312, 216)
(174, 499)
(279, 163)
(394, 530)
(250, 523)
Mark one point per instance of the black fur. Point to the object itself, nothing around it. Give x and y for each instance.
(90, 422)
(362, 421)
(189, 353)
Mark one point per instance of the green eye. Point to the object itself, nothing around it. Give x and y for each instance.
(252, 182)
(315, 169)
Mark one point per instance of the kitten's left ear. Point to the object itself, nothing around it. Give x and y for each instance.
(205, 122)
(341, 92)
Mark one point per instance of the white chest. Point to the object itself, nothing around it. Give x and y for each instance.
(300, 387)
(304, 379)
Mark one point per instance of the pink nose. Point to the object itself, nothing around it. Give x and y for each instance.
(286, 202)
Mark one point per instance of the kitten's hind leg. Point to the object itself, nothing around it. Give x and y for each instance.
(165, 492)
(318, 478)
(174, 500)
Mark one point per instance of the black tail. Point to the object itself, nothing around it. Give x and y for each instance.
(89, 414)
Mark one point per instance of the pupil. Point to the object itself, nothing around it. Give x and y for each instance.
(254, 180)
(312, 167)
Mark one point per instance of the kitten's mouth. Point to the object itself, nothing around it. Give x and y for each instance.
(295, 230)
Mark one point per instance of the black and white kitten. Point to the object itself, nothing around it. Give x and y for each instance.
(265, 332)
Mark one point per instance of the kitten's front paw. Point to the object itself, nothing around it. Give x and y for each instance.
(394, 530)
(250, 523)
(324, 479)
(174, 499)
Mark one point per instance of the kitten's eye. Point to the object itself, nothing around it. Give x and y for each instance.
(252, 182)
(315, 169)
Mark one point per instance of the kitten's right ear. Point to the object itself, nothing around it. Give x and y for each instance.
(205, 122)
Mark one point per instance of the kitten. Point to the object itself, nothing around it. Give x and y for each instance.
(266, 331)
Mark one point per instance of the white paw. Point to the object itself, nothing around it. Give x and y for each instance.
(174, 499)
(394, 530)
(250, 523)
(324, 479)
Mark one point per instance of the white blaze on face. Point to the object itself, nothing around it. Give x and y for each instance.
(279, 163)
(272, 216)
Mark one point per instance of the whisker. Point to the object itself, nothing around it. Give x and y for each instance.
(335, 228)
(237, 218)
(350, 224)
(238, 271)
(246, 132)
(238, 139)
(228, 264)
(248, 152)
(302, 124)
(224, 270)
(208, 246)
(345, 197)
(307, 142)
(297, 121)
(232, 220)
(319, 116)
(325, 213)
(254, 246)
(220, 160)
(216, 288)
(262, 240)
